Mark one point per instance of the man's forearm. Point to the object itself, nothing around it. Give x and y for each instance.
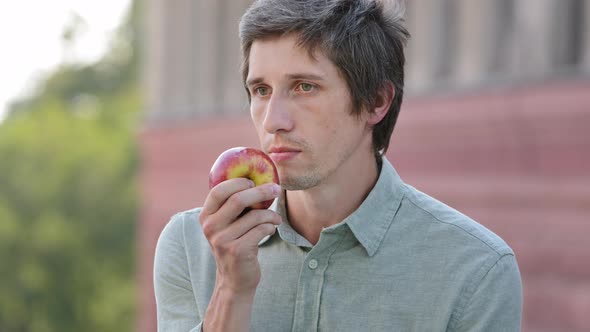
(228, 312)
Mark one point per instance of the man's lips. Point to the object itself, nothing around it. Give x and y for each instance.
(281, 149)
(278, 154)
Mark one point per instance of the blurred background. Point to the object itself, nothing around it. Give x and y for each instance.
(69, 198)
(111, 115)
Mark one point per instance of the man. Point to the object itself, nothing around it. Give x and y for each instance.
(347, 246)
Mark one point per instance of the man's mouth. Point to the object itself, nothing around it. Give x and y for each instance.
(282, 153)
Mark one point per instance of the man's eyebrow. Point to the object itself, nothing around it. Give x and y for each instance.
(295, 76)
(305, 76)
(253, 81)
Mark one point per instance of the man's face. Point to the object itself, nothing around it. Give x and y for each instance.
(301, 108)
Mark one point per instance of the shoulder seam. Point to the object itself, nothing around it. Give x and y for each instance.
(496, 250)
(475, 285)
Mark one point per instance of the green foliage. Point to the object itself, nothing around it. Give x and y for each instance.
(68, 198)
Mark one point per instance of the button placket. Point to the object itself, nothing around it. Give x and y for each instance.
(311, 281)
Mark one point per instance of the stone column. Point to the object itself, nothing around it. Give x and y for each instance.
(233, 95)
(205, 38)
(152, 65)
(534, 20)
(181, 56)
(169, 59)
(476, 41)
(586, 36)
(424, 21)
(564, 44)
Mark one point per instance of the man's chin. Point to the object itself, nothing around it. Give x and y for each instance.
(288, 183)
(291, 187)
(293, 183)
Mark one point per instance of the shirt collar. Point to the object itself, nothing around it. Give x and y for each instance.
(284, 230)
(368, 223)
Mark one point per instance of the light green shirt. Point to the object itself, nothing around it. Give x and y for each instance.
(402, 261)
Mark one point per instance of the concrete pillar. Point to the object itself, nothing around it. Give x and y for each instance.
(502, 38)
(170, 57)
(152, 65)
(532, 43)
(475, 37)
(205, 39)
(544, 32)
(426, 50)
(180, 58)
(565, 45)
(193, 58)
(233, 95)
(218, 87)
(586, 36)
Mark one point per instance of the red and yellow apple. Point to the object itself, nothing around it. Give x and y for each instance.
(241, 162)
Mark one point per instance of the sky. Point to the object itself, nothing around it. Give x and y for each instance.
(31, 43)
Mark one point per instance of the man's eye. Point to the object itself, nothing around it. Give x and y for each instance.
(261, 90)
(305, 87)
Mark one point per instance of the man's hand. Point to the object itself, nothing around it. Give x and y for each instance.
(233, 235)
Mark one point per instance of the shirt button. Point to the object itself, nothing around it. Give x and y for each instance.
(312, 264)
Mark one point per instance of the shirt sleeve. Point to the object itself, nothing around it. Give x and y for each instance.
(175, 300)
(496, 303)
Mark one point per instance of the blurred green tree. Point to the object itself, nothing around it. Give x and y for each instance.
(68, 196)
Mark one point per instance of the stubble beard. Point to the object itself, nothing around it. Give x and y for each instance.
(315, 174)
(302, 182)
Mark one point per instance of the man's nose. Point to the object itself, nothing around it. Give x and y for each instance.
(277, 115)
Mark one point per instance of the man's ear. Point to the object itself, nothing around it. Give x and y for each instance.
(384, 100)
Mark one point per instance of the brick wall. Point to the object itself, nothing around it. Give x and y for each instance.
(516, 160)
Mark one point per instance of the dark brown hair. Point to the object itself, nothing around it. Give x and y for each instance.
(362, 38)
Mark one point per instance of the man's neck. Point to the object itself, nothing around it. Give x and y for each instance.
(309, 211)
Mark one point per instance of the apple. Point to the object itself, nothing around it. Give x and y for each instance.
(241, 162)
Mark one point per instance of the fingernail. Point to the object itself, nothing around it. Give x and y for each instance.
(252, 184)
